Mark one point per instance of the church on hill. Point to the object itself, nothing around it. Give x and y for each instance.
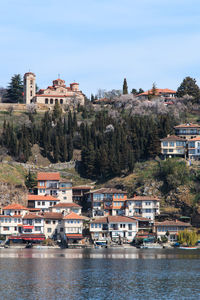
(58, 92)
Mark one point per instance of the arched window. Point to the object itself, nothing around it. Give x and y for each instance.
(61, 101)
(31, 93)
(56, 100)
(51, 101)
(46, 101)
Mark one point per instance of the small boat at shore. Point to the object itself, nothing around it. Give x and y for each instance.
(188, 248)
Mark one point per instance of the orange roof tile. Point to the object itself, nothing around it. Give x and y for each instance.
(32, 216)
(73, 216)
(48, 176)
(144, 198)
(52, 215)
(173, 138)
(172, 223)
(194, 139)
(63, 204)
(158, 91)
(41, 198)
(187, 125)
(15, 206)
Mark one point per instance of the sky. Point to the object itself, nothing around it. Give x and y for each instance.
(98, 43)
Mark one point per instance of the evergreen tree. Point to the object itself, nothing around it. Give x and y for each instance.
(15, 90)
(125, 87)
(57, 111)
(188, 87)
(30, 181)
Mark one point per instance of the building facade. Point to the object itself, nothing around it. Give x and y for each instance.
(173, 146)
(145, 206)
(57, 93)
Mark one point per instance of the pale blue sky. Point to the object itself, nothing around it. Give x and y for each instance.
(99, 42)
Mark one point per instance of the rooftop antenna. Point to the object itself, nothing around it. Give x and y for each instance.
(58, 75)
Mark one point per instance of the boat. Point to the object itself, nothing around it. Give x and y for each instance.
(188, 248)
(151, 246)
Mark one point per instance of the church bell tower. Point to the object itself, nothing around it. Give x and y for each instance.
(29, 87)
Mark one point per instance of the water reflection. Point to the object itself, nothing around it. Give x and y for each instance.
(99, 274)
(101, 253)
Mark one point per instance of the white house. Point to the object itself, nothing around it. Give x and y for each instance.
(144, 206)
(115, 228)
(73, 227)
(66, 208)
(170, 228)
(194, 148)
(44, 203)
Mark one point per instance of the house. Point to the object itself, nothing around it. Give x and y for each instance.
(44, 203)
(14, 209)
(107, 201)
(194, 148)
(187, 131)
(53, 225)
(144, 206)
(73, 227)
(114, 228)
(79, 193)
(10, 225)
(162, 93)
(48, 183)
(57, 93)
(173, 146)
(66, 208)
(52, 184)
(170, 229)
(33, 224)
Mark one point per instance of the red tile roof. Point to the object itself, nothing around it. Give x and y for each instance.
(100, 220)
(144, 198)
(108, 191)
(42, 198)
(15, 206)
(73, 216)
(158, 91)
(173, 138)
(194, 139)
(172, 223)
(48, 176)
(187, 125)
(32, 216)
(52, 215)
(121, 219)
(63, 204)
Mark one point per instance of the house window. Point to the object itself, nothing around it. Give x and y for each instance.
(54, 222)
(171, 144)
(15, 228)
(43, 203)
(48, 222)
(37, 228)
(38, 203)
(51, 101)
(48, 230)
(165, 144)
(61, 101)
(41, 183)
(56, 100)
(171, 150)
(61, 229)
(130, 226)
(6, 228)
(92, 225)
(46, 101)
(37, 221)
(130, 234)
(54, 203)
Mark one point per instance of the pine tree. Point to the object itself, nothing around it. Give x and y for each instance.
(30, 181)
(125, 87)
(15, 90)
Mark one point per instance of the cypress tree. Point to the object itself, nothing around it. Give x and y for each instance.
(125, 87)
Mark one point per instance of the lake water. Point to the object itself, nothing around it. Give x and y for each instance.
(99, 274)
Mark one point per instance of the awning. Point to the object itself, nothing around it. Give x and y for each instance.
(28, 227)
(28, 237)
(74, 236)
